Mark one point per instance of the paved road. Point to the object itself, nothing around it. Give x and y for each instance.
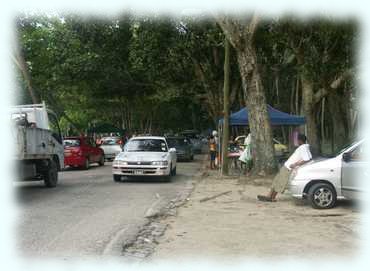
(88, 214)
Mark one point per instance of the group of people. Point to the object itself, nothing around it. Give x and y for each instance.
(300, 156)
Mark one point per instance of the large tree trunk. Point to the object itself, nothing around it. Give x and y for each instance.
(259, 123)
(225, 134)
(339, 121)
(241, 36)
(308, 109)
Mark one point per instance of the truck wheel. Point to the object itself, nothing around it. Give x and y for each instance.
(87, 164)
(322, 196)
(51, 175)
(102, 160)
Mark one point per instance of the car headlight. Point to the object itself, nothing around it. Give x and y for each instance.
(119, 163)
(160, 163)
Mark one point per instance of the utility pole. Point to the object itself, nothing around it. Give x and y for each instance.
(225, 130)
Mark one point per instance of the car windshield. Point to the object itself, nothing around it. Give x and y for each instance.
(110, 141)
(71, 142)
(146, 145)
(174, 142)
(346, 147)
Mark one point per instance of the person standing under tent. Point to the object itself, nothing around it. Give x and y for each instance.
(246, 156)
(212, 151)
(217, 141)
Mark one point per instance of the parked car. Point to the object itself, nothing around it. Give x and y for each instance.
(281, 150)
(111, 146)
(82, 152)
(195, 140)
(145, 156)
(324, 181)
(184, 149)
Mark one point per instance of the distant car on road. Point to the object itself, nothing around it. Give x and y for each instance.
(145, 156)
(184, 149)
(82, 152)
(111, 146)
(324, 181)
(195, 140)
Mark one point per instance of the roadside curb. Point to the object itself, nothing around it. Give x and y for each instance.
(147, 238)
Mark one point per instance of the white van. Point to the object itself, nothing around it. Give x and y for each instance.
(323, 182)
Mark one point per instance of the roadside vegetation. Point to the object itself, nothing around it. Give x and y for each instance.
(159, 74)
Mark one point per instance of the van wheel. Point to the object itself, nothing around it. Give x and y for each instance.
(51, 175)
(322, 196)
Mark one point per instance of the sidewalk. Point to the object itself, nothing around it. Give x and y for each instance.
(236, 225)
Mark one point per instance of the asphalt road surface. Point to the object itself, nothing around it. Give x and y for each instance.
(88, 214)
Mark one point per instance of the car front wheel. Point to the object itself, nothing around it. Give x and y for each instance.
(86, 165)
(173, 172)
(322, 196)
(117, 178)
(102, 160)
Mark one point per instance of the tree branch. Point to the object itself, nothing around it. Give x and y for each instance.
(253, 25)
(19, 60)
(335, 84)
(229, 29)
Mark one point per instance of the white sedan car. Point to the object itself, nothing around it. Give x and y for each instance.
(111, 147)
(145, 156)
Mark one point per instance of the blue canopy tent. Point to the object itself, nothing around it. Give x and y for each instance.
(277, 117)
(240, 118)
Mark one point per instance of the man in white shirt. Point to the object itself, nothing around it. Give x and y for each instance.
(299, 157)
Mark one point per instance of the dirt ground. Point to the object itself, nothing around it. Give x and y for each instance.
(236, 225)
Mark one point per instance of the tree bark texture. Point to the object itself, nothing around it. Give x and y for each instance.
(339, 119)
(225, 131)
(259, 122)
(308, 109)
(241, 36)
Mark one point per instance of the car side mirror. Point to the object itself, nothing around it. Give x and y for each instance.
(346, 157)
(172, 150)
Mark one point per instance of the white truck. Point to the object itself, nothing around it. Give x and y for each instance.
(38, 143)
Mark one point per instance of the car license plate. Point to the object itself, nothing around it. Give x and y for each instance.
(138, 172)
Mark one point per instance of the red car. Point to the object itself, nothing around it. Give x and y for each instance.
(82, 151)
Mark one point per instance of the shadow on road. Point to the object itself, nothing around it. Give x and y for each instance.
(91, 168)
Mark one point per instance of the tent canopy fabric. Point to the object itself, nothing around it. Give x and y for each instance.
(277, 117)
